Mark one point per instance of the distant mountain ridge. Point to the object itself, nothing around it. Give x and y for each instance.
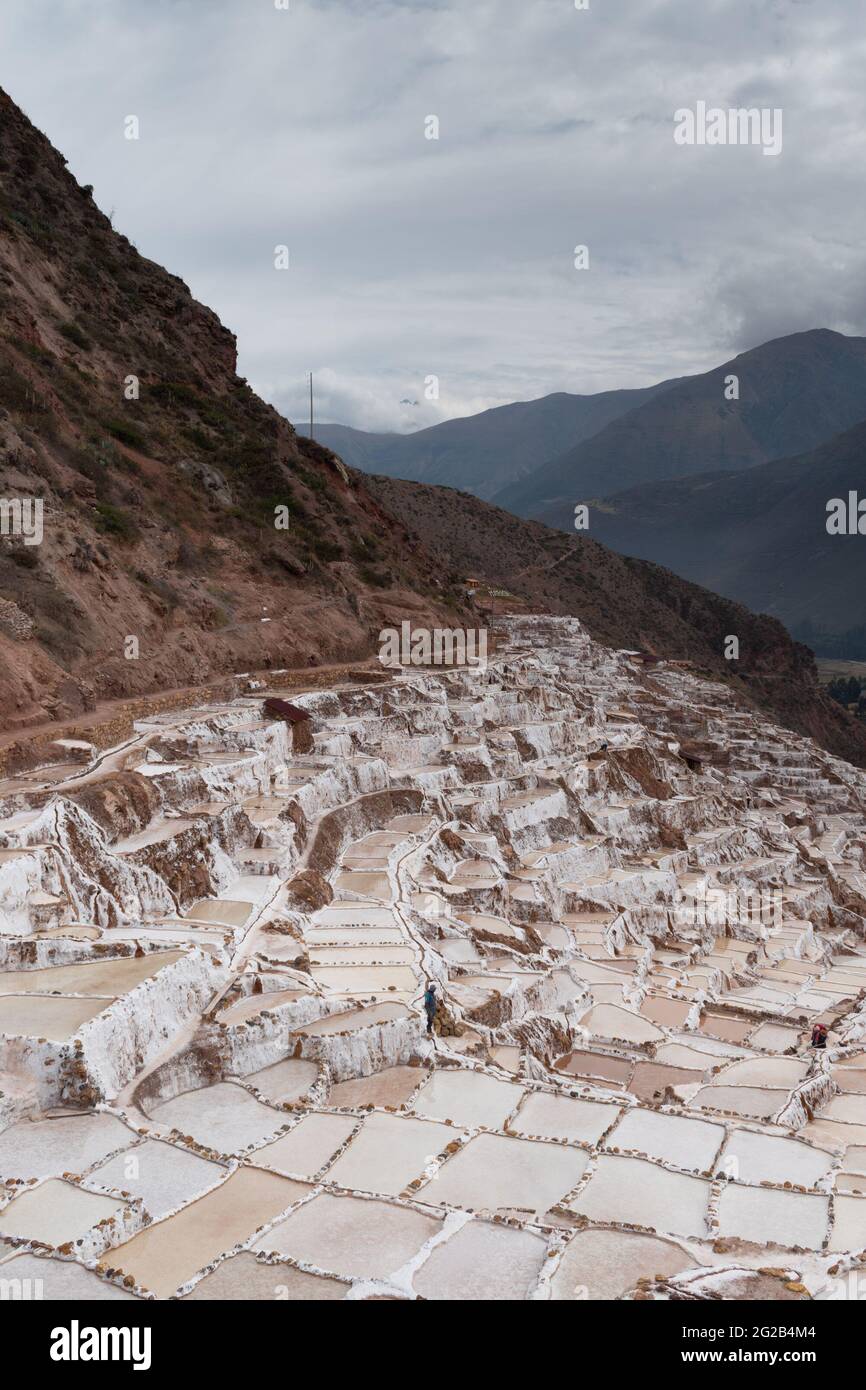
(162, 563)
(794, 394)
(482, 453)
(624, 602)
(760, 536)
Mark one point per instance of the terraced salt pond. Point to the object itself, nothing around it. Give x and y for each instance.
(365, 980)
(605, 1264)
(354, 1019)
(72, 1143)
(673, 1139)
(770, 1216)
(466, 1097)
(392, 1087)
(389, 1152)
(759, 1158)
(368, 884)
(644, 1194)
(542, 1115)
(55, 1212)
(61, 1280)
(162, 1175)
(46, 1016)
(221, 912)
(169, 1253)
(284, 1081)
(224, 1117)
(108, 978)
(481, 1262)
(609, 1076)
(245, 1276)
(351, 1236)
(254, 1004)
(493, 1172)
(309, 1147)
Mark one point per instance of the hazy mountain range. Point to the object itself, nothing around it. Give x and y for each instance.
(724, 476)
(482, 453)
(162, 477)
(760, 535)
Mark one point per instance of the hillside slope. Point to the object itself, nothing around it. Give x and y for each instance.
(159, 512)
(760, 536)
(160, 564)
(796, 393)
(624, 603)
(483, 453)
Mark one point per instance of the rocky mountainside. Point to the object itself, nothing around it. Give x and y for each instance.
(482, 453)
(624, 602)
(161, 475)
(161, 562)
(760, 536)
(795, 393)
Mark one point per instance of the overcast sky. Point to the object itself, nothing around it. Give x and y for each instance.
(412, 257)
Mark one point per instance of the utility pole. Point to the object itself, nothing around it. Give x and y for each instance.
(311, 405)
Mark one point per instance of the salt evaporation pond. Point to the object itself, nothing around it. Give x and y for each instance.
(771, 1158)
(365, 980)
(783, 1073)
(605, 1264)
(353, 1019)
(62, 1281)
(351, 1236)
(608, 1021)
(163, 1175)
(370, 884)
(224, 1117)
(768, 1215)
(308, 1147)
(55, 1212)
(675, 1139)
(254, 1004)
(353, 916)
(389, 1151)
(222, 912)
(166, 1255)
(644, 1194)
(245, 1276)
(506, 1057)
(46, 1016)
(596, 1066)
(670, 1013)
(68, 1144)
(394, 1086)
(847, 1109)
(361, 955)
(849, 1223)
(481, 1262)
(467, 1098)
(560, 1117)
(284, 1081)
(493, 1172)
(748, 1101)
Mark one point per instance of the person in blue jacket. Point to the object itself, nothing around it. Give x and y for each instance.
(430, 1005)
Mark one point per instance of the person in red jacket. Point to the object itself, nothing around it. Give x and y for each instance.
(819, 1035)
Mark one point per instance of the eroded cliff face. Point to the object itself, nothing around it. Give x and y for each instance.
(159, 474)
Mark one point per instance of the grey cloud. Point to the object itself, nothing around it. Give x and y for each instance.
(454, 257)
